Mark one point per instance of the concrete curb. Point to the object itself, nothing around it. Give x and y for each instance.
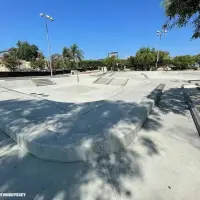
(82, 150)
(193, 110)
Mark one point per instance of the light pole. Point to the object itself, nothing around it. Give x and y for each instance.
(77, 74)
(47, 17)
(160, 33)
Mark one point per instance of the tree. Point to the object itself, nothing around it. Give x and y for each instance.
(67, 58)
(145, 58)
(111, 63)
(10, 62)
(66, 53)
(180, 12)
(38, 63)
(164, 58)
(13, 52)
(197, 59)
(76, 53)
(57, 61)
(86, 64)
(132, 63)
(25, 51)
(121, 64)
(72, 54)
(183, 62)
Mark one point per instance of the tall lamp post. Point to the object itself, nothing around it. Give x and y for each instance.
(47, 17)
(160, 33)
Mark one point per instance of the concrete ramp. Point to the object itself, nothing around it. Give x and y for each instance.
(145, 75)
(102, 81)
(118, 82)
(112, 81)
(15, 84)
(29, 83)
(42, 82)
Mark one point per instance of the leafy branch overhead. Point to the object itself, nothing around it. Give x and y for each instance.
(181, 12)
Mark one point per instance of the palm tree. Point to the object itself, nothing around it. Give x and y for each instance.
(77, 54)
(66, 53)
(73, 54)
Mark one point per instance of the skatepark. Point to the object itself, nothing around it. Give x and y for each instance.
(101, 136)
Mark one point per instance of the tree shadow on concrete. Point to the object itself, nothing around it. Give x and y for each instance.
(150, 146)
(40, 179)
(173, 101)
(99, 178)
(194, 95)
(153, 123)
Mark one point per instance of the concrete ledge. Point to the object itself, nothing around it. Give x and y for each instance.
(117, 138)
(193, 110)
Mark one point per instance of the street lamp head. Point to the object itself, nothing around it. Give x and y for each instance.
(51, 19)
(46, 16)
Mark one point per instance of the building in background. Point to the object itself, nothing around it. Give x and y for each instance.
(24, 65)
(113, 54)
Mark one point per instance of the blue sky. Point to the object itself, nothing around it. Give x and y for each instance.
(97, 26)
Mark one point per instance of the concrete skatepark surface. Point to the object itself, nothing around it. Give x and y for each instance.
(73, 122)
(162, 163)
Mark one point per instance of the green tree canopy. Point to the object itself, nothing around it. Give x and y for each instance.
(184, 62)
(10, 62)
(132, 63)
(164, 58)
(25, 51)
(145, 58)
(39, 63)
(57, 61)
(111, 63)
(197, 58)
(180, 12)
(85, 64)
